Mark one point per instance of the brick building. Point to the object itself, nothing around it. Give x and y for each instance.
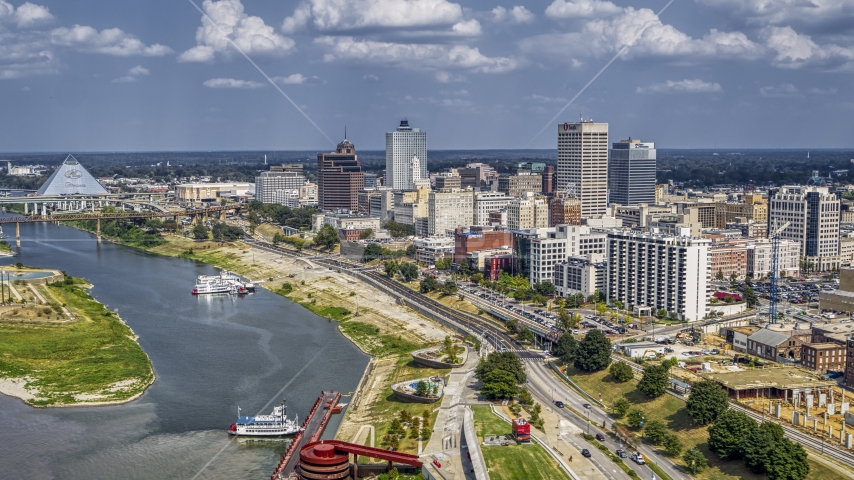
(823, 356)
(480, 239)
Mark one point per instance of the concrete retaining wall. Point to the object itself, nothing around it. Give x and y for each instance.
(405, 397)
(430, 363)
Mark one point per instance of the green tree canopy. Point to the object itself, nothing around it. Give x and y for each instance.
(635, 418)
(621, 371)
(728, 432)
(200, 232)
(398, 230)
(527, 335)
(477, 278)
(373, 251)
(655, 431)
(672, 445)
(499, 384)
(594, 352)
(750, 297)
(507, 361)
(545, 288)
(566, 348)
(429, 284)
(391, 268)
(654, 381)
(621, 407)
(787, 461)
(444, 263)
(409, 271)
(706, 402)
(695, 459)
(449, 287)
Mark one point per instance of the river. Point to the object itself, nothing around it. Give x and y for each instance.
(210, 354)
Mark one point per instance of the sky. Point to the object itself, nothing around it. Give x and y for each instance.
(205, 75)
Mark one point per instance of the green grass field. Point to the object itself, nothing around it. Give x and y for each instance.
(672, 412)
(94, 355)
(368, 337)
(513, 462)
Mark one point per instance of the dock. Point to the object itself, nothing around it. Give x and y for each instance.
(312, 429)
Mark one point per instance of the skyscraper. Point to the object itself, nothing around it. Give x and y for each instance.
(814, 214)
(405, 156)
(631, 172)
(339, 178)
(582, 161)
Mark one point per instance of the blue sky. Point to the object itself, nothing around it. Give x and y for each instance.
(92, 75)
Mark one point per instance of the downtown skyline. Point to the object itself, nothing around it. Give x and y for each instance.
(156, 76)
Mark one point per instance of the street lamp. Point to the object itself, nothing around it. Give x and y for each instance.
(588, 421)
(2, 288)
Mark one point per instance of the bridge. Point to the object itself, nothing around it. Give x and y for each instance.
(194, 213)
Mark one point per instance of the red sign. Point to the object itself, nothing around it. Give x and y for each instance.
(565, 127)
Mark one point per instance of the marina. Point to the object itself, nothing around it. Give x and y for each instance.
(225, 282)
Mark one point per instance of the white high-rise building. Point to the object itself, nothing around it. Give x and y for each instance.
(659, 272)
(405, 157)
(582, 161)
(814, 214)
(487, 202)
(449, 209)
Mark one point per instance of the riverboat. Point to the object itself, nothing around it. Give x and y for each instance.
(208, 288)
(276, 424)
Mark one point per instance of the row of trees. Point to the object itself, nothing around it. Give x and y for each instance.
(501, 373)
(591, 354)
(375, 251)
(279, 214)
(221, 232)
(407, 270)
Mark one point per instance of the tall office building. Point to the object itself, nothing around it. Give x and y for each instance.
(448, 210)
(814, 214)
(582, 161)
(280, 182)
(631, 172)
(404, 148)
(528, 211)
(339, 178)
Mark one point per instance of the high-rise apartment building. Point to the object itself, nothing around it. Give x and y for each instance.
(448, 210)
(405, 147)
(339, 178)
(528, 211)
(539, 250)
(278, 183)
(631, 172)
(582, 161)
(814, 214)
(659, 272)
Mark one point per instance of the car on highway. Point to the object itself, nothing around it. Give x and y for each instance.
(559, 404)
(600, 437)
(622, 453)
(585, 453)
(586, 405)
(638, 458)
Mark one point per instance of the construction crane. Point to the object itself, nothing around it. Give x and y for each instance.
(775, 270)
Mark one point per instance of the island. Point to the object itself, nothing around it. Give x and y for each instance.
(60, 347)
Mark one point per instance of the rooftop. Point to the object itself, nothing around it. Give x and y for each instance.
(774, 377)
(824, 346)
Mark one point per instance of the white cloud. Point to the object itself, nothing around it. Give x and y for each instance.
(296, 79)
(29, 14)
(682, 86)
(249, 33)
(231, 83)
(823, 91)
(517, 14)
(110, 41)
(133, 74)
(447, 77)
(794, 50)
(371, 78)
(783, 90)
(415, 56)
(455, 102)
(643, 31)
(816, 15)
(468, 28)
(544, 99)
(330, 15)
(563, 9)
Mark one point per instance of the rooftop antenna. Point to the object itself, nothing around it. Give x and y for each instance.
(265, 159)
(345, 132)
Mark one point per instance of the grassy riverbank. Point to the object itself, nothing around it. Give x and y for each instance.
(5, 248)
(71, 351)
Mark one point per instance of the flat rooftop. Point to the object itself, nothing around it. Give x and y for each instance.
(781, 378)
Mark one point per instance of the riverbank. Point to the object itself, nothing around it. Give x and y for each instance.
(59, 347)
(5, 249)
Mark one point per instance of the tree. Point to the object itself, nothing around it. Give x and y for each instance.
(594, 352)
(527, 335)
(477, 278)
(421, 389)
(391, 268)
(566, 348)
(366, 234)
(728, 432)
(563, 320)
(654, 381)
(671, 444)
(635, 418)
(443, 263)
(662, 314)
(787, 461)
(756, 448)
(655, 431)
(429, 284)
(695, 459)
(410, 251)
(398, 230)
(601, 308)
(525, 397)
(200, 232)
(507, 361)
(545, 288)
(750, 297)
(449, 287)
(512, 325)
(621, 371)
(327, 237)
(499, 384)
(706, 402)
(372, 252)
(720, 275)
(621, 407)
(539, 299)
(409, 271)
